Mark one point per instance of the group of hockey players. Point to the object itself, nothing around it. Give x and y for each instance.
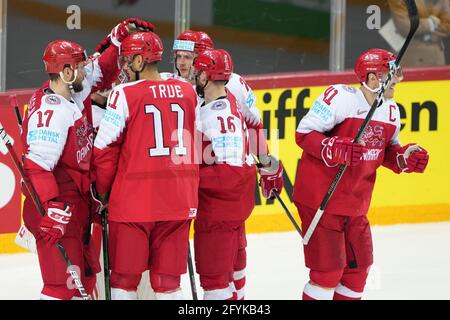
(171, 149)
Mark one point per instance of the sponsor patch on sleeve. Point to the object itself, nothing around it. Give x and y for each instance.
(43, 135)
(113, 118)
(322, 111)
(250, 99)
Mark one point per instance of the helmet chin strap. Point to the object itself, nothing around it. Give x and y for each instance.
(201, 92)
(372, 90)
(70, 83)
(176, 67)
(137, 73)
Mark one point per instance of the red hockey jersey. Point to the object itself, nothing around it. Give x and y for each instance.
(144, 152)
(227, 176)
(57, 133)
(340, 111)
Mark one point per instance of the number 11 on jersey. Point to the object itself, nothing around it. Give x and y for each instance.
(160, 149)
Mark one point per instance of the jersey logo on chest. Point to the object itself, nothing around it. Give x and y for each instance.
(374, 136)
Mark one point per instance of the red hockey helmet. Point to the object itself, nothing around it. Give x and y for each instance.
(146, 44)
(204, 41)
(60, 53)
(217, 64)
(377, 61)
(194, 41)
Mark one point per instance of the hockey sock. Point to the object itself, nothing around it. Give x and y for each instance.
(313, 292)
(343, 293)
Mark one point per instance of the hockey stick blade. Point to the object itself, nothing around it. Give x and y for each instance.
(414, 24)
(192, 274)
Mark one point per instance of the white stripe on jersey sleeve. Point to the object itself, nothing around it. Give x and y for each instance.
(228, 146)
(46, 144)
(245, 97)
(113, 121)
(323, 117)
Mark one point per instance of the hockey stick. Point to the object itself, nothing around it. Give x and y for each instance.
(13, 103)
(24, 237)
(414, 24)
(288, 214)
(259, 165)
(5, 137)
(191, 274)
(103, 211)
(104, 217)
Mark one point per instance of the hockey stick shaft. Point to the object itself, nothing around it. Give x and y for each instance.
(277, 195)
(192, 274)
(296, 226)
(41, 210)
(13, 103)
(414, 24)
(104, 218)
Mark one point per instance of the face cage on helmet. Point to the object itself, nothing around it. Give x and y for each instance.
(382, 76)
(84, 59)
(398, 73)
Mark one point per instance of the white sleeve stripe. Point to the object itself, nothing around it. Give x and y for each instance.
(113, 121)
(107, 135)
(94, 73)
(45, 156)
(97, 74)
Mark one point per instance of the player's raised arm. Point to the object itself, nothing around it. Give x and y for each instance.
(102, 70)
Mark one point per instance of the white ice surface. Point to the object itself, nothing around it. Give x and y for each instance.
(411, 262)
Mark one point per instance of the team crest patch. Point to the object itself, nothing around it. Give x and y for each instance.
(219, 105)
(349, 89)
(52, 100)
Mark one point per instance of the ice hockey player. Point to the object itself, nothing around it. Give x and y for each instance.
(227, 178)
(144, 163)
(185, 48)
(57, 135)
(339, 253)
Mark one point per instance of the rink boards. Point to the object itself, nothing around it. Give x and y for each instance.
(283, 99)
